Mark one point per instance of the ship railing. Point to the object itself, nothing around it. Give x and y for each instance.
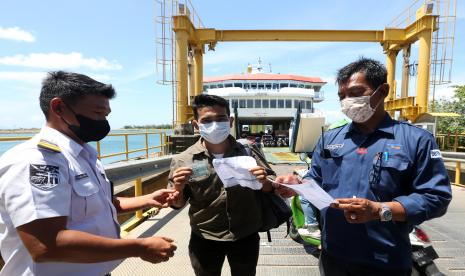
(458, 158)
(134, 170)
(162, 139)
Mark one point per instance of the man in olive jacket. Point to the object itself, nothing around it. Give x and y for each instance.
(224, 221)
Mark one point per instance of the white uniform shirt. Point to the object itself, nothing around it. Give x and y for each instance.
(37, 183)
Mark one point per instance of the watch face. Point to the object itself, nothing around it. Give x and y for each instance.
(387, 214)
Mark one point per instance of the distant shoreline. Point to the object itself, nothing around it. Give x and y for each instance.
(36, 130)
(20, 130)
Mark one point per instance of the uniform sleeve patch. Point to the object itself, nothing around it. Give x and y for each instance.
(436, 154)
(44, 177)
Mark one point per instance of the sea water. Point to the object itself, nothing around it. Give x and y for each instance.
(109, 145)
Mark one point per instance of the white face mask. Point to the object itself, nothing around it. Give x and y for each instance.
(358, 109)
(214, 132)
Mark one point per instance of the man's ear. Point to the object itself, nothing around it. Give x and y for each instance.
(56, 106)
(384, 89)
(195, 124)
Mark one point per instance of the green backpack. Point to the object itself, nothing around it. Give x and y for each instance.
(298, 221)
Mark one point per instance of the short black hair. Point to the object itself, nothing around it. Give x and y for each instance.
(203, 100)
(375, 72)
(70, 87)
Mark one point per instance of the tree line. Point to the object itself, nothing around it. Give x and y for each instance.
(162, 126)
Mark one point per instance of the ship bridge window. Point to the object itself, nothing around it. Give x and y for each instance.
(266, 103)
(268, 86)
(213, 86)
(302, 104)
(275, 86)
(296, 103)
(246, 86)
(220, 85)
(228, 85)
(301, 86)
(273, 103)
(238, 84)
(308, 104)
(261, 86)
(249, 103)
(288, 103)
(308, 86)
(253, 86)
(234, 103)
(293, 85)
(280, 103)
(205, 87)
(284, 85)
(317, 88)
(258, 103)
(241, 103)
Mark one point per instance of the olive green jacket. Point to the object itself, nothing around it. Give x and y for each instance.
(217, 213)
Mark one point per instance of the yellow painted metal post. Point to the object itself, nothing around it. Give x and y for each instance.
(391, 73)
(457, 173)
(198, 65)
(98, 150)
(146, 145)
(405, 71)
(126, 146)
(138, 192)
(424, 59)
(181, 76)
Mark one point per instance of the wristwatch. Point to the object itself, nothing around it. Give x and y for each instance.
(385, 213)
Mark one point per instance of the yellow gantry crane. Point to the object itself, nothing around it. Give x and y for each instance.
(189, 42)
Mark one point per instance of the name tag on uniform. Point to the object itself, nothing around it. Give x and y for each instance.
(81, 176)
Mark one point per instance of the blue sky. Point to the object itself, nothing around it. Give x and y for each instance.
(114, 42)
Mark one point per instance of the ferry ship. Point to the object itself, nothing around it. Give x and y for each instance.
(266, 102)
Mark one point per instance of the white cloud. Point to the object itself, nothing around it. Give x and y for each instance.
(72, 60)
(15, 33)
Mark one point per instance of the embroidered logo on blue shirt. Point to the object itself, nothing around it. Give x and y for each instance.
(435, 154)
(335, 146)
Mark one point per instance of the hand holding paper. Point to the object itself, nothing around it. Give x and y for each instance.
(235, 171)
(312, 192)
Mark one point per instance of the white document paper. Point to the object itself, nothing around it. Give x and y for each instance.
(235, 171)
(313, 193)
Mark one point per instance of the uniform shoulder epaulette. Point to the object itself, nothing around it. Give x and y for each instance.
(48, 145)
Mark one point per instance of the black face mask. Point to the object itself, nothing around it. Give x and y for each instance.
(89, 130)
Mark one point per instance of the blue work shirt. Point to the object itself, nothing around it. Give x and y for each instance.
(396, 162)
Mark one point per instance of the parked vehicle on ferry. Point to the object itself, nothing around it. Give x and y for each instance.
(268, 141)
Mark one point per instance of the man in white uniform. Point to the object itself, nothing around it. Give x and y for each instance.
(57, 215)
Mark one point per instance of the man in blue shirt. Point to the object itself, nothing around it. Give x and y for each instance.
(386, 176)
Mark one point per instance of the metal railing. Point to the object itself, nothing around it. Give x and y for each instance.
(135, 170)
(162, 138)
(458, 158)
